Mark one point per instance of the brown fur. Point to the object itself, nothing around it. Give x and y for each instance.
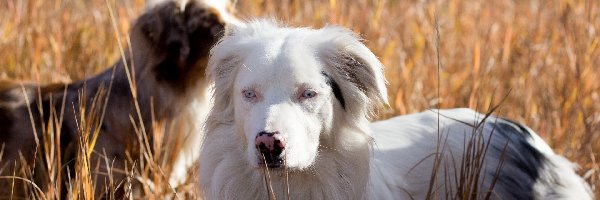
(170, 48)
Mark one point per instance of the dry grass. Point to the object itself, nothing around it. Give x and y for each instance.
(542, 54)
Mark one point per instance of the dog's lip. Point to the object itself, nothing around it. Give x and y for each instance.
(278, 163)
(270, 165)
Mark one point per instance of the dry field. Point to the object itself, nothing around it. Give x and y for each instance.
(538, 59)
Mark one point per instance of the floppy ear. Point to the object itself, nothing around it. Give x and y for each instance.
(227, 54)
(162, 35)
(353, 69)
(224, 60)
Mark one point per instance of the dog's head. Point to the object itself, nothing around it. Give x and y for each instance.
(173, 41)
(290, 91)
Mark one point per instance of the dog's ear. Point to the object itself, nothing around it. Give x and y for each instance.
(164, 29)
(351, 69)
(225, 56)
(205, 27)
(224, 60)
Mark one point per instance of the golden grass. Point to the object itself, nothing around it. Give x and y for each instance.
(543, 55)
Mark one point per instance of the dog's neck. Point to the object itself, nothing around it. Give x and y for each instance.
(338, 173)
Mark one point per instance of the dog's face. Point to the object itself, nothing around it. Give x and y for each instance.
(284, 94)
(178, 39)
(287, 89)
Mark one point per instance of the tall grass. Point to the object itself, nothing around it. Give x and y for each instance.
(542, 55)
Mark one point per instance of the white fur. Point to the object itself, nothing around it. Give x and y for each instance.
(190, 150)
(413, 139)
(333, 151)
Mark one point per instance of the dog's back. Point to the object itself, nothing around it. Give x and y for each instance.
(479, 156)
(19, 105)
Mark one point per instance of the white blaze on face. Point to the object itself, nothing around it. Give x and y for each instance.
(280, 88)
(151, 3)
(223, 7)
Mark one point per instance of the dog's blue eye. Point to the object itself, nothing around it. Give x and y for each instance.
(307, 94)
(249, 94)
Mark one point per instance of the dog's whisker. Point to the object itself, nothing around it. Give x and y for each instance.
(287, 178)
(330, 148)
(248, 68)
(268, 180)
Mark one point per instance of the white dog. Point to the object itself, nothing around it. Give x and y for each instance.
(291, 120)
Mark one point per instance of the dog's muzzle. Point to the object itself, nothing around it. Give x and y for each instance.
(271, 146)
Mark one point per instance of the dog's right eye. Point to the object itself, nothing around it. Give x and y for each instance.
(249, 94)
(307, 94)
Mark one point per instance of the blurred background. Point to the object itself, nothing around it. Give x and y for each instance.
(539, 60)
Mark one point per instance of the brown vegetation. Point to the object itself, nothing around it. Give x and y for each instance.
(542, 55)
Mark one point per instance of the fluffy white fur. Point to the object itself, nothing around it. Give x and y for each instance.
(262, 73)
(190, 150)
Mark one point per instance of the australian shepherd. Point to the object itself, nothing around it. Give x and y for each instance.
(290, 121)
(158, 85)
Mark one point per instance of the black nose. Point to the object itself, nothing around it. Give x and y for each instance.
(270, 145)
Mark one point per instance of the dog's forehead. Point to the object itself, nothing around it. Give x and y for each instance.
(283, 60)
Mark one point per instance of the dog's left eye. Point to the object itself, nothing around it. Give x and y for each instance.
(307, 94)
(249, 94)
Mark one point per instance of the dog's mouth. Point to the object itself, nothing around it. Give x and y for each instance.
(271, 159)
(271, 149)
(272, 165)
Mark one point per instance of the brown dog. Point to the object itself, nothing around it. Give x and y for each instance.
(166, 64)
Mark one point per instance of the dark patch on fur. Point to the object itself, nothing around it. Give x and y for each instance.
(525, 161)
(6, 114)
(354, 69)
(6, 96)
(204, 28)
(350, 66)
(6, 122)
(335, 88)
(170, 43)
